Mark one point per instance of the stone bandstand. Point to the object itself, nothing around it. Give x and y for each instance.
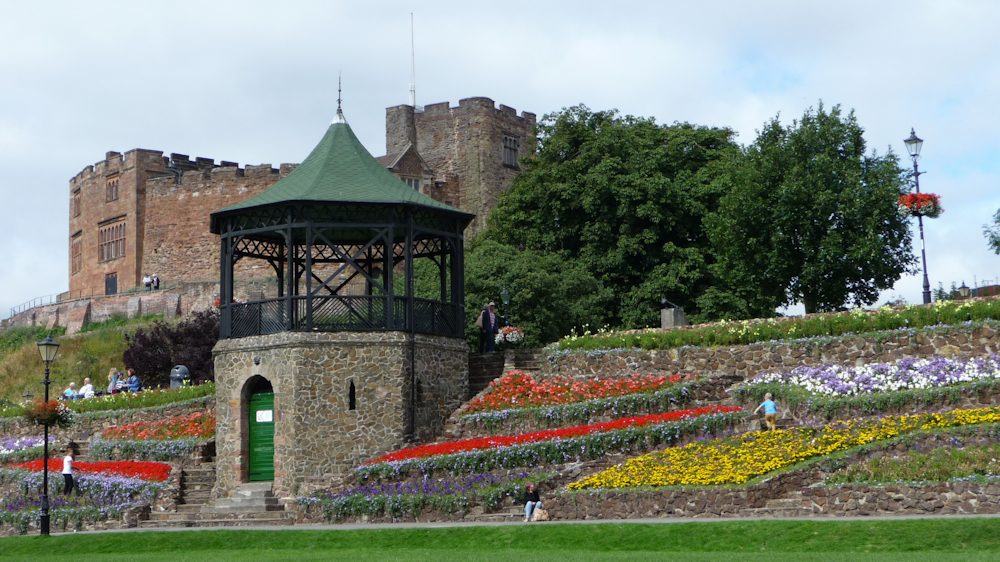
(352, 359)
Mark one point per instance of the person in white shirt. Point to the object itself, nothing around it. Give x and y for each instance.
(67, 471)
(87, 391)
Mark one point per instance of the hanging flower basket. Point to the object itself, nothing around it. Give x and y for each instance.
(511, 335)
(921, 205)
(51, 413)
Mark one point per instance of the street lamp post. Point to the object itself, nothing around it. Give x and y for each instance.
(505, 297)
(913, 145)
(48, 350)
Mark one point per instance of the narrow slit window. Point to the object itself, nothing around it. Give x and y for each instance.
(352, 401)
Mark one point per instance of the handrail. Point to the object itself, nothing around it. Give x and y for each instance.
(39, 301)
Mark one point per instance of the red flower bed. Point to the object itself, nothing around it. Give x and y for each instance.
(561, 433)
(155, 471)
(200, 425)
(518, 390)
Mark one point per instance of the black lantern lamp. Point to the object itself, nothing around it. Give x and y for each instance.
(48, 350)
(505, 298)
(913, 146)
(964, 291)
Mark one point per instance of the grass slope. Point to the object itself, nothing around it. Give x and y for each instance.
(911, 539)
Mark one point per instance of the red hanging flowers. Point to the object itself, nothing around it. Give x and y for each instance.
(921, 205)
(561, 433)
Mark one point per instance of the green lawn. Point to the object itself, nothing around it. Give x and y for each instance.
(924, 539)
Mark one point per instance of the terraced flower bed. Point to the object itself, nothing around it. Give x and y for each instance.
(152, 471)
(103, 491)
(21, 449)
(855, 322)
(909, 383)
(908, 373)
(517, 390)
(162, 440)
(552, 446)
(130, 400)
(737, 459)
(409, 498)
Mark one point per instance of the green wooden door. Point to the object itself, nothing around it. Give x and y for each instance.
(262, 437)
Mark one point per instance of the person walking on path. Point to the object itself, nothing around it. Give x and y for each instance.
(489, 327)
(67, 471)
(531, 501)
(770, 412)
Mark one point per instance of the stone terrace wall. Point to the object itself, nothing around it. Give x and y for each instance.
(749, 360)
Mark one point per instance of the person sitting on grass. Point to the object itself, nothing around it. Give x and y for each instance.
(531, 501)
(133, 382)
(770, 412)
(70, 393)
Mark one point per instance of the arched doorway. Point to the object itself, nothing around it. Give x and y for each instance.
(260, 423)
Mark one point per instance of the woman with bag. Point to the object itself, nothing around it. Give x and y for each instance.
(532, 503)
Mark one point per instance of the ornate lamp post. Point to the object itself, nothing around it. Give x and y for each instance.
(913, 145)
(505, 297)
(48, 350)
(964, 291)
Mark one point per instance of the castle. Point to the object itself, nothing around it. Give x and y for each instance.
(142, 213)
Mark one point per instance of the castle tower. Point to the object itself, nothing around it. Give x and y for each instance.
(473, 150)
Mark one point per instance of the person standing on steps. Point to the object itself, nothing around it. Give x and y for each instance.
(67, 471)
(489, 327)
(770, 412)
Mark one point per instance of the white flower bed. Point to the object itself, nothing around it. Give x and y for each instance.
(906, 374)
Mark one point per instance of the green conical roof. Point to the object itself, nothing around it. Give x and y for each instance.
(340, 170)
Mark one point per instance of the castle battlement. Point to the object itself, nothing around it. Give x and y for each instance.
(472, 105)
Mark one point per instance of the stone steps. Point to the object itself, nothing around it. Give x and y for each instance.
(170, 519)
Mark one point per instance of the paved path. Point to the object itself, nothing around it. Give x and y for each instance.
(453, 524)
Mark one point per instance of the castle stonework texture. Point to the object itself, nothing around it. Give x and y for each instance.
(473, 149)
(142, 213)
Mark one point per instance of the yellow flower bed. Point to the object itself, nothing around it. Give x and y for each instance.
(734, 460)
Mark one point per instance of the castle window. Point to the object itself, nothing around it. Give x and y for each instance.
(76, 254)
(113, 189)
(76, 203)
(111, 242)
(352, 400)
(510, 151)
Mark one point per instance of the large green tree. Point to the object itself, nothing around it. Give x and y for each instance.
(626, 198)
(549, 296)
(811, 218)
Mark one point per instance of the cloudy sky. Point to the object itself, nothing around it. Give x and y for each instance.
(256, 82)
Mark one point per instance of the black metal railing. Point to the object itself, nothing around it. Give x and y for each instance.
(354, 313)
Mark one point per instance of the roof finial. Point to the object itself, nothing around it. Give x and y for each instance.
(340, 114)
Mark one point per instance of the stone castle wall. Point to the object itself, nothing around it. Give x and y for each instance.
(317, 436)
(179, 245)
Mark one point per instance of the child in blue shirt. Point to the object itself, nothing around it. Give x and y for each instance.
(770, 412)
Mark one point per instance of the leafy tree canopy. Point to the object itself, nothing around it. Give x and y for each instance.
(992, 233)
(549, 296)
(811, 218)
(625, 198)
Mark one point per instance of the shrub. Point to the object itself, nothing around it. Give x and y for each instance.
(153, 351)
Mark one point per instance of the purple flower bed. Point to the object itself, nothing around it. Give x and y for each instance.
(398, 498)
(22, 449)
(906, 374)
